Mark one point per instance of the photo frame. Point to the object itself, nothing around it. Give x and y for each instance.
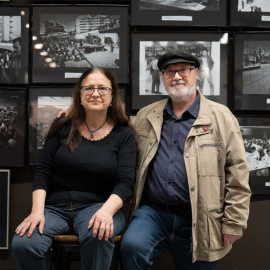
(147, 85)
(250, 13)
(14, 45)
(12, 126)
(44, 105)
(251, 75)
(69, 39)
(4, 208)
(255, 131)
(179, 13)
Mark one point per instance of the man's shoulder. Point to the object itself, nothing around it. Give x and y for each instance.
(153, 106)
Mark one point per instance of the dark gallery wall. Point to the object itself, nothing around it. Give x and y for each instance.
(249, 253)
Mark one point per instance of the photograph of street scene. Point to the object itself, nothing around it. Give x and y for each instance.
(193, 5)
(10, 41)
(208, 52)
(256, 68)
(257, 146)
(253, 6)
(48, 108)
(75, 40)
(8, 122)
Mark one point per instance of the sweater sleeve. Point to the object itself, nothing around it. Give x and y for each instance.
(125, 176)
(45, 166)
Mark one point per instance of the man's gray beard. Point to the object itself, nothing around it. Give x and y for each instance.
(180, 95)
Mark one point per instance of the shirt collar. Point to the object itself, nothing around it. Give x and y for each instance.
(193, 109)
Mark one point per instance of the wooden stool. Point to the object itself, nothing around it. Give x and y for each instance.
(66, 248)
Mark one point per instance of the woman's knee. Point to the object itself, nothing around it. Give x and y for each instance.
(21, 243)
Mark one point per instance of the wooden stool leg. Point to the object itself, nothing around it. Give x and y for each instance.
(60, 259)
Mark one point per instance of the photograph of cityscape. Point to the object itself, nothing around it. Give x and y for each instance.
(79, 40)
(10, 41)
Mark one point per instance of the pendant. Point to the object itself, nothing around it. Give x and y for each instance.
(92, 135)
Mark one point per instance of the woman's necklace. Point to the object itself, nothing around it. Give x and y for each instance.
(92, 132)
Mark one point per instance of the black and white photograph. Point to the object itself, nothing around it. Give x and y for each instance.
(250, 12)
(69, 42)
(209, 50)
(44, 105)
(14, 38)
(4, 208)
(195, 5)
(256, 136)
(12, 127)
(252, 82)
(178, 12)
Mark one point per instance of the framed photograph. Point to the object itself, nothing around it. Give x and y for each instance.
(250, 13)
(179, 12)
(14, 45)
(256, 135)
(210, 48)
(44, 105)
(251, 76)
(12, 126)
(4, 208)
(69, 39)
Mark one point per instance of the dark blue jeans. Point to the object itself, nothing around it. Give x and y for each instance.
(28, 253)
(153, 231)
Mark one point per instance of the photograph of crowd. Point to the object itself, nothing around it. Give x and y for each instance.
(256, 68)
(193, 5)
(78, 41)
(8, 122)
(257, 145)
(10, 41)
(48, 108)
(208, 52)
(253, 6)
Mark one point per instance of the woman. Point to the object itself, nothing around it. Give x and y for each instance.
(85, 173)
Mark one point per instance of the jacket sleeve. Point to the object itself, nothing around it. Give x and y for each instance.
(237, 196)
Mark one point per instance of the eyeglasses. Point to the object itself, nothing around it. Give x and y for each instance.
(102, 90)
(183, 72)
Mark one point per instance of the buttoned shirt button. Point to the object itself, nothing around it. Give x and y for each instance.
(150, 144)
(187, 155)
(192, 189)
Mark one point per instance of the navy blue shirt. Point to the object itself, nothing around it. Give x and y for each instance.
(166, 182)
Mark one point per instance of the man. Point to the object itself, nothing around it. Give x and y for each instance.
(192, 194)
(15, 61)
(206, 65)
(155, 76)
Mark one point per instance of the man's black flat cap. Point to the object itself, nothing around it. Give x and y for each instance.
(177, 56)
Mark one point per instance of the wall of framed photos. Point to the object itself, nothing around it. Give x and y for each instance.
(59, 39)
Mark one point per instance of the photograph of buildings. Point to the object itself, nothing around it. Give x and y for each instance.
(10, 41)
(76, 40)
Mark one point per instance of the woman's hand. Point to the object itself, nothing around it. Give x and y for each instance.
(102, 223)
(30, 223)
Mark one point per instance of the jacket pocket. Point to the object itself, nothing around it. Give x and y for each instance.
(210, 155)
(214, 228)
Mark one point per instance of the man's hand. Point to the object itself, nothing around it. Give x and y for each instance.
(229, 239)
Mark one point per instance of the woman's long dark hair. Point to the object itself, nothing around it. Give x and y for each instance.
(76, 113)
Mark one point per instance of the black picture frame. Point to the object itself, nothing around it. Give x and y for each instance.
(12, 126)
(4, 208)
(246, 13)
(44, 105)
(251, 64)
(148, 46)
(14, 63)
(63, 46)
(255, 131)
(167, 13)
